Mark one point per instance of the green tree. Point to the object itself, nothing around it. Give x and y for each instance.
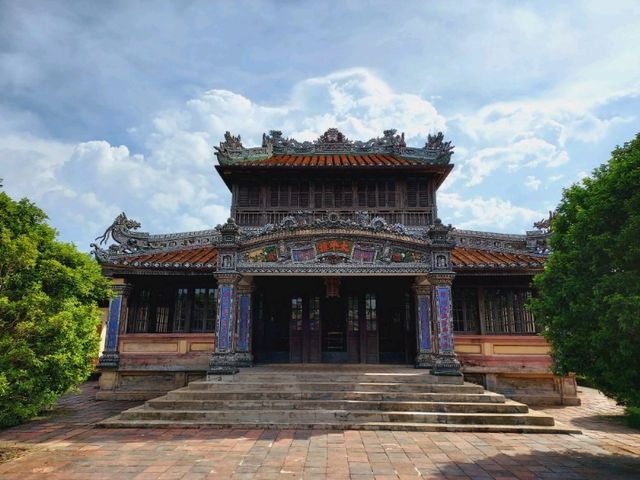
(48, 312)
(589, 293)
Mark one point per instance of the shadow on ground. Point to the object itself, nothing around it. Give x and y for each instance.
(549, 465)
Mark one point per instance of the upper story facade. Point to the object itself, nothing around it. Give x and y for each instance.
(334, 177)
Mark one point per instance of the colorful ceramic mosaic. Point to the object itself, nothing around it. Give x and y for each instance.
(365, 255)
(445, 339)
(424, 317)
(399, 255)
(224, 328)
(244, 312)
(303, 254)
(265, 254)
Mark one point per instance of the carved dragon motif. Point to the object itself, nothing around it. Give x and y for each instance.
(128, 241)
(121, 232)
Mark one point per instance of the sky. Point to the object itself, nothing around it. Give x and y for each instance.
(116, 106)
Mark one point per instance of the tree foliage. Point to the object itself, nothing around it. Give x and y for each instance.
(48, 312)
(589, 293)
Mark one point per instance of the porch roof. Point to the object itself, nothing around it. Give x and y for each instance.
(205, 259)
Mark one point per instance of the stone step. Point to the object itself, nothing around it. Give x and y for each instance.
(209, 395)
(415, 376)
(371, 398)
(116, 422)
(246, 386)
(285, 417)
(164, 403)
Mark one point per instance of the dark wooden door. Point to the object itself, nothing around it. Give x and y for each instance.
(312, 352)
(296, 329)
(334, 331)
(353, 329)
(370, 328)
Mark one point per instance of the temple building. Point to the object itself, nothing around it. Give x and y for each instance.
(333, 253)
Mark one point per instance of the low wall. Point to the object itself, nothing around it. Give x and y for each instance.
(516, 366)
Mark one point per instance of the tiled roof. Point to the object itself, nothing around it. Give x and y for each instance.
(336, 160)
(206, 258)
(195, 258)
(468, 258)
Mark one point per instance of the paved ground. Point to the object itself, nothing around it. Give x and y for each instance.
(66, 446)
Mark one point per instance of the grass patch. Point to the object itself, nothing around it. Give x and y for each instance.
(632, 417)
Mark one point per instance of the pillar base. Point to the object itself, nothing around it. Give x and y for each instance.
(425, 360)
(244, 359)
(223, 364)
(109, 360)
(447, 364)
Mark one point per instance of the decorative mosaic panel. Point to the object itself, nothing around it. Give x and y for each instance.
(303, 254)
(399, 255)
(424, 319)
(265, 254)
(225, 318)
(334, 246)
(445, 338)
(363, 255)
(244, 319)
(111, 341)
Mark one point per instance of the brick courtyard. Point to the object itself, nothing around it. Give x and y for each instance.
(66, 446)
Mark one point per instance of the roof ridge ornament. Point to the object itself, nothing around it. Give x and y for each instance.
(332, 141)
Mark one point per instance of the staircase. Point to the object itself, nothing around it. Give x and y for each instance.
(341, 397)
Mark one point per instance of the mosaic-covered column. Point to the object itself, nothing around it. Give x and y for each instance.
(446, 361)
(224, 359)
(425, 357)
(244, 324)
(110, 357)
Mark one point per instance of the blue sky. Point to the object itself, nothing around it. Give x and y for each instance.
(115, 106)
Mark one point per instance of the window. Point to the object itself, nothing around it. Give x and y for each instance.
(180, 310)
(296, 313)
(504, 311)
(466, 318)
(204, 306)
(334, 194)
(371, 312)
(377, 194)
(353, 317)
(314, 313)
(418, 193)
(289, 195)
(139, 312)
(248, 196)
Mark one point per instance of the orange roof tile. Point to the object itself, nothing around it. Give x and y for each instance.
(466, 258)
(337, 160)
(195, 258)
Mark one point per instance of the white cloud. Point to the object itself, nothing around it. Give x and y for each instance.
(532, 182)
(524, 153)
(478, 213)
